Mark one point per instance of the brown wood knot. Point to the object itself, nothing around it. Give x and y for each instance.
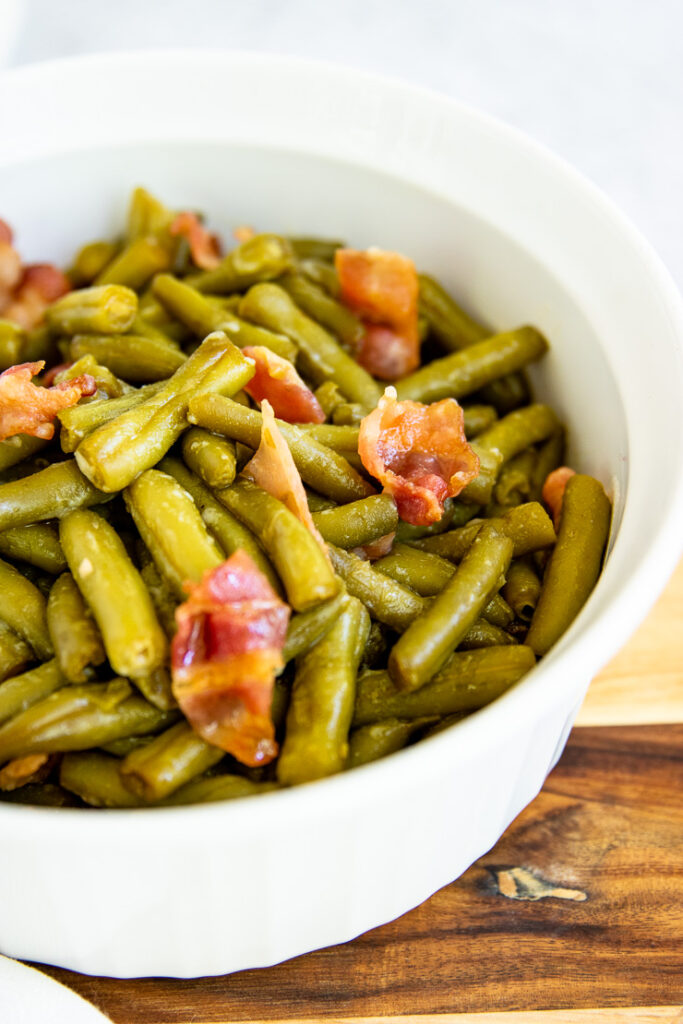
(524, 884)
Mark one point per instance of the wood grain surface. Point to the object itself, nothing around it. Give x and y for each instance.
(576, 915)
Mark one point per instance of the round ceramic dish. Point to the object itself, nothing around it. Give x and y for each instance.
(519, 237)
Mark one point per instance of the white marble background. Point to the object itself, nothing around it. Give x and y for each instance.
(599, 81)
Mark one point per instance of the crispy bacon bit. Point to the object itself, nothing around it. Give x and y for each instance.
(243, 233)
(553, 491)
(41, 284)
(51, 375)
(418, 453)
(382, 288)
(273, 469)
(205, 248)
(276, 380)
(231, 632)
(27, 409)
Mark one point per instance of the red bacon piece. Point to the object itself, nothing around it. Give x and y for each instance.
(553, 491)
(28, 409)
(418, 453)
(276, 380)
(228, 647)
(382, 288)
(205, 248)
(40, 284)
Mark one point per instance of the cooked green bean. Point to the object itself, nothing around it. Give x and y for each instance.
(172, 528)
(15, 653)
(529, 526)
(210, 456)
(314, 248)
(90, 260)
(522, 588)
(261, 258)
(74, 634)
(81, 420)
(12, 338)
(79, 717)
(136, 264)
(330, 314)
(114, 590)
(44, 795)
(225, 527)
(484, 634)
(101, 309)
(318, 503)
(162, 596)
(202, 316)
(15, 449)
(321, 705)
(468, 681)
(306, 628)
(173, 758)
(329, 396)
(386, 600)
(320, 355)
(23, 608)
(575, 562)
(217, 787)
(117, 452)
(425, 573)
(461, 373)
(478, 418)
(341, 439)
(300, 562)
(498, 612)
(348, 414)
(108, 385)
(138, 359)
(455, 515)
(320, 467)
(51, 493)
(36, 543)
(358, 522)
(21, 692)
(427, 643)
(514, 486)
(550, 456)
(379, 739)
(96, 779)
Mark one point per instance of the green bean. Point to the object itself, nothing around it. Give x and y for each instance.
(210, 456)
(96, 779)
(455, 515)
(321, 705)
(550, 456)
(44, 795)
(314, 248)
(138, 359)
(320, 467)
(40, 344)
(15, 653)
(329, 396)
(12, 338)
(385, 599)
(172, 528)
(306, 628)
(162, 596)
(51, 493)
(260, 258)
(341, 439)
(468, 681)
(425, 573)
(461, 373)
(114, 590)
(380, 739)
(144, 329)
(514, 480)
(79, 717)
(522, 588)
(36, 543)
(575, 562)
(101, 309)
(15, 449)
(23, 608)
(484, 634)
(75, 637)
(529, 526)
(321, 273)
(348, 414)
(81, 420)
(90, 260)
(134, 265)
(320, 355)
(318, 503)
(444, 724)
(202, 316)
(23, 691)
(358, 522)
(478, 418)
(319, 305)
(122, 748)
(430, 639)
(117, 452)
(108, 385)
(300, 562)
(173, 758)
(214, 788)
(498, 612)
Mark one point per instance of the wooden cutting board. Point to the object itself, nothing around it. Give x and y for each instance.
(576, 915)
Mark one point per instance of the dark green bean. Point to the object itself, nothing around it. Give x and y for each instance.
(15, 653)
(550, 457)
(522, 588)
(575, 562)
(173, 758)
(96, 779)
(498, 612)
(455, 515)
(529, 526)
(478, 418)
(314, 248)
(371, 742)
(468, 681)
(306, 628)
(210, 456)
(162, 596)
(217, 787)
(138, 359)
(513, 486)
(74, 634)
(15, 449)
(261, 258)
(102, 309)
(21, 692)
(319, 304)
(427, 643)
(358, 522)
(425, 573)
(23, 608)
(51, 493)
(36, 543)
(386, 600)
(321, 704)
(484, 634)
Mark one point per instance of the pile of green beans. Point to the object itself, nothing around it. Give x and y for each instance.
(141, 492)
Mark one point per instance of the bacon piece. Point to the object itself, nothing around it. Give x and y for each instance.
(6, 234)
(27, 409)
(273, 469)
(376, 548)
(205, 248)
(276, 379)
(418, 453)
(51, 375)
(243, 233)
(40, 284)
(553, 491)
(382, 288)
(228, 647)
